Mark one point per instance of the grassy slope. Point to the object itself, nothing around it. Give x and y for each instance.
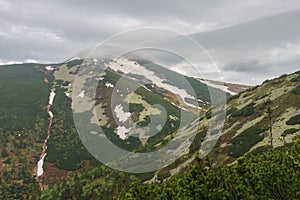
(247, 121)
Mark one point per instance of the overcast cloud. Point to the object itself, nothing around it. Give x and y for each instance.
(249, 40)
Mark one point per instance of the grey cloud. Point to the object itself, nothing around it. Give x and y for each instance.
(238, 33)
(252, 66)
(268, 31)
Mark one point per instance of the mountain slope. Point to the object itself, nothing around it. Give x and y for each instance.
(52, 140)
(274, 175)
(248, 122)
(37, 127)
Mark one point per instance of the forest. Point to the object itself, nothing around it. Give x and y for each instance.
(272, 175)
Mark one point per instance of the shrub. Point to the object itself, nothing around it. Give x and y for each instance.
(7, 161)
(244, 141)
(231, 110)
(265, 104)
(260, 150)
(293, 120)
(197, 142)
(290, 131)
(296, 79)
(246, 111)
(208, 115)
(135, 107)
(296, 91)
(73, 63)
(163, 175)
(4, 153)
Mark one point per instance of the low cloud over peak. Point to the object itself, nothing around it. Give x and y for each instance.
(259, 37)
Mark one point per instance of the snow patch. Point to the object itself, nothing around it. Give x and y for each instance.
(49, 68)
(127, 66)
(121, 115)
(100, 78)
(121, 132)
(40, 169)
(108, 85)
(51, 97)
(75, 58)
(95, 61)
(50, 114)
(221, 87)
(81, 95)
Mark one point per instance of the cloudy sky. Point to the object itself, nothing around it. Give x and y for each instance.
(249, 40)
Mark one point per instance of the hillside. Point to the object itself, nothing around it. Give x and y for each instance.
(39, 141)
(251, 114)
(40, 145)
(259, 171)
(274, 175)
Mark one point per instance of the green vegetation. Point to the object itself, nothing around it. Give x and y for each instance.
(274, 175)
(296, 79)
(246, 111)
(135, 109)
(98, 183)
(23, 121)
(291, 131)
(296, 91)
(259, 150)
(65, 148)
(73, 63)
(245, 140)
(145, 121)
(132, 143)
(294, 120)
(152, 98)
(265, 104)
(202, 91)
(197, 142)
(23, 94)
(261, 174)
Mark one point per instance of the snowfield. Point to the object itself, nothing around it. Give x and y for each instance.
(127, 66)
(221, 87)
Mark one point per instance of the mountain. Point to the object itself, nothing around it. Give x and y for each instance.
(242, 165)
(37, 126)
(40, 145)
